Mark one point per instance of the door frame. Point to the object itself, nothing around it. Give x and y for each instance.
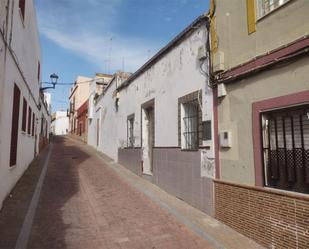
(147, 162)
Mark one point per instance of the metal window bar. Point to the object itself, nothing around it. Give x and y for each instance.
(286, 149)
(190, 121)
(130, 133)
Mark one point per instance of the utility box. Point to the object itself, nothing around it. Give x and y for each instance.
(221, 90)
(225, 138)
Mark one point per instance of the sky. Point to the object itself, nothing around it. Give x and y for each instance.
(85, 37)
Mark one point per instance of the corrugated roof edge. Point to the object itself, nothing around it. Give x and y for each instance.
(165, 50)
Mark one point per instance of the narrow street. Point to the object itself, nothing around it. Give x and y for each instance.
(84, 204)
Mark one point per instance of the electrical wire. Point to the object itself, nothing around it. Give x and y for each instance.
(71, 83)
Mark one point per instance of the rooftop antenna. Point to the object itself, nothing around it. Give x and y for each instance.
(110, 55)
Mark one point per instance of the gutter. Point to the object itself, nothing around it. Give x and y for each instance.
(262, 62)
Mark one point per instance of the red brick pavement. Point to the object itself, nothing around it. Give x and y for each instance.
(84, 204)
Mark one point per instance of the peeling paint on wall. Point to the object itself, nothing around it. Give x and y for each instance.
(207, 165)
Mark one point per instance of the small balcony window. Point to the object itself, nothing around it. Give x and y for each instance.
(265, 7)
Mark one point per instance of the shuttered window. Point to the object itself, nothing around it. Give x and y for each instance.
(15, 122)
(24, 120)
(286, 149)
(22, 7)
(29, 120)
(39, 71)
(33, 120)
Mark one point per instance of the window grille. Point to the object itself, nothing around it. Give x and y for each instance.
(267, 6)
(286, 149)
(130, 136)
(190, 126)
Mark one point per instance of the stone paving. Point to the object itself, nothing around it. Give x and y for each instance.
(85, 204)
(16, 205)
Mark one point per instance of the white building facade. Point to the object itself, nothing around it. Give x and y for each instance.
(159, 122)
(60, 123)
(23, 111)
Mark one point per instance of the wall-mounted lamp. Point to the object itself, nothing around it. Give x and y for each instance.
(53, 80)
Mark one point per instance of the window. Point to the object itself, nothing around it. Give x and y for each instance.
(266, 6)
(286, 148)
(42, 125)
(29, 120)
(130, 131)
(24, 120)
(22, 7)
(190, 125)
(39, 71)
(33, 120)
(15, 122)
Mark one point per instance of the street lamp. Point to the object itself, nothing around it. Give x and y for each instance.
(53, 80)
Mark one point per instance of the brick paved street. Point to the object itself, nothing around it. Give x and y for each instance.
(84, 204)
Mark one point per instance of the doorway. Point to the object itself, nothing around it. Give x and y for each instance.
(148, 136)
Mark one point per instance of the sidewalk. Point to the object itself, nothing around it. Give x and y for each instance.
(215, 232)
(88, 201)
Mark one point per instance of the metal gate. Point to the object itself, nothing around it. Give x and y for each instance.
(286, 148)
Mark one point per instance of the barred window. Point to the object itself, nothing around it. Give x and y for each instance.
(266, 6)
(286, 148)
(190, 129)
(130, 131)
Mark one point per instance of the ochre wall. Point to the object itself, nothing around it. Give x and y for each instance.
(235, 114)
(284, 25)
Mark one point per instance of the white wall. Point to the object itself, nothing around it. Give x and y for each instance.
(25, 48)
(175, 75)
(60, 125)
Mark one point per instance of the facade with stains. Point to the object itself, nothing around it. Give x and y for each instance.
(60, 123)
(260, 65)
(98, 87)
(22, 106)
(159, 122)
(78, 98)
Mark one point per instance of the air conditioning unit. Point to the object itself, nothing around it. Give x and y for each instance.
(219, 62)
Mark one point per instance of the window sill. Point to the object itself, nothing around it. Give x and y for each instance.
(13, 167)
(190, 150)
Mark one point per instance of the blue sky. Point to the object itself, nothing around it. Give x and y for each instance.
(83, 37)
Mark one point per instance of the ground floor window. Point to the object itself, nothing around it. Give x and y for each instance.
(285, 136)
(14, 126)
(130, 131)
(190, 125)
